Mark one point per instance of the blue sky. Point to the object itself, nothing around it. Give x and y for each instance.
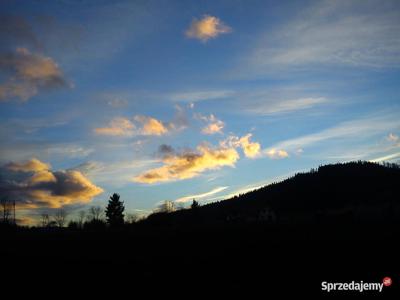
(174, 100)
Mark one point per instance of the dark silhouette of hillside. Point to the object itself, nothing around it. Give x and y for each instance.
(336, 223)
(341, 193)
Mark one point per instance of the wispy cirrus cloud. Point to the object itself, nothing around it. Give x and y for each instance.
(359, 128)
(388, 157)
(202, 95)
(208, 27)
(114, 173)
(201, 196)
(274, 106)
(347, 33)
(28, 73)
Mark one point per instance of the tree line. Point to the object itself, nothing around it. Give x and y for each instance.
(96, 217)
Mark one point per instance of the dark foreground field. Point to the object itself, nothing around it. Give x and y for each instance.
(254, 258)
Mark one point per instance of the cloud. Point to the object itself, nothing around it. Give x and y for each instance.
(151, 126)
(189, 163)
(389, 157)
(208, 27)
(117, 127)
(117, 102)
(276, 153)
(213, 128)
(214, 125)
(250, 149)
(355, 129)
(33, 165)
(143, 125)
(392, 137)
(201, 196)
(69, 150)
(16, 29)
(116, 173)
(180, 120)
(196, 96)
(28, 74)
(165, 150)
(260, 107)
(32, 184)
(349, 33)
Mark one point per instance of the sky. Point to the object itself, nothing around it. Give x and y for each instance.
(175, 100)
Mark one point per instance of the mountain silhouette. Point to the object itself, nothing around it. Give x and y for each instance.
(338, 193)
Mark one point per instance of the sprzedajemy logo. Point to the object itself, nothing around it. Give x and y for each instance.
(360, 286)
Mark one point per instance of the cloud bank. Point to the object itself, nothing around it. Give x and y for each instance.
(32, 184)
(28, 73)
(189, 163)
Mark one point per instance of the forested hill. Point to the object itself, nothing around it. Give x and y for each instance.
(354, 191)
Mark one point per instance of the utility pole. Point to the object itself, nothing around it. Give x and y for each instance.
(14, 213)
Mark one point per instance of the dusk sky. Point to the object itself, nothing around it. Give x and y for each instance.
(175, 100)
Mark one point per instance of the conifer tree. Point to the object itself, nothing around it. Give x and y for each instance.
(115, 211)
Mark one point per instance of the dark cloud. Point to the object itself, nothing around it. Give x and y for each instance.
(17, 31)
(28, 73)
(164, 150)
(32, 184)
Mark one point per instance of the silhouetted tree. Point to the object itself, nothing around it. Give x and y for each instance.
(114, 211)
(6, 206)
(73, 225)
(81, 218)
(95, 213)
(60, 217)
(195, 204)
(45, 219)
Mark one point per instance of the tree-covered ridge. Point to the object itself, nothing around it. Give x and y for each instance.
(362, 191)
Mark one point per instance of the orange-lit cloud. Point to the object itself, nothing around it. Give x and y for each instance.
(33, 165)
(117, 127)
(276, 153)
(207, 28)
(213, 124)
(124, 127)
(178, 166)
(151, 126)
(33, 184)
(250, 149)
(30, 73)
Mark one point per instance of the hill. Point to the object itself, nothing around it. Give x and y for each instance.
(354, 191)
